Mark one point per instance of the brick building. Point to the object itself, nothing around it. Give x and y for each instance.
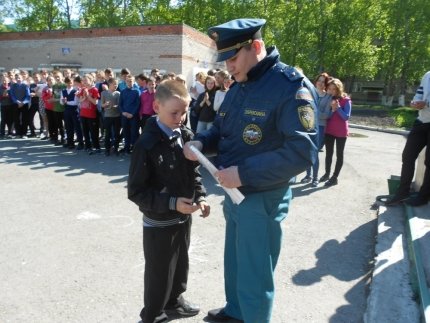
(172, 48)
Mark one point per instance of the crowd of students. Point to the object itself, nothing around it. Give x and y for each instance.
(77, 111)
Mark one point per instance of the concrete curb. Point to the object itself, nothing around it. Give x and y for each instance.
(391, 298)
(387, 130)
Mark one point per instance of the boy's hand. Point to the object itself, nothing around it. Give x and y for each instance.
(205, 208)
(185, 205)
(188, 153)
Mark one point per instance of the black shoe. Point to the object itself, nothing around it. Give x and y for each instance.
(306, 180)
(95, 152)
(315, 182)
(397, 199)
(182, 308)
(80, 147)
(331, 182)
(218, 315)
(417, 201)
(325, 177)
(162, 318)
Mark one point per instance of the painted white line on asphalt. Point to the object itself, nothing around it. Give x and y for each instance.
(87, 215)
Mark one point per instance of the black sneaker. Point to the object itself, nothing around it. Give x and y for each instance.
(416, 201)
(331, 182)
(306, 180)
(183, 308)
(218, 315)
(315, 182)
(325, 177)
(95, 152)
(397, 199)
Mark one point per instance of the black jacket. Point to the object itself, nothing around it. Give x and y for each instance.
(159, 173)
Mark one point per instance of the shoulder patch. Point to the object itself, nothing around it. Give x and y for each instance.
(307, 116)
(304, 94)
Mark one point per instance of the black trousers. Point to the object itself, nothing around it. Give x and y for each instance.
(20, 119)
(143, 121)
(73, 125)
(340, 147)
(34, 107)
(166, 267)
(6, 119)
(90, 129)
(55, 124)
(418, 138)
(112, 126)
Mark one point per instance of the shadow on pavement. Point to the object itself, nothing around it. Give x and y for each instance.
(37, 154)
(340, 260)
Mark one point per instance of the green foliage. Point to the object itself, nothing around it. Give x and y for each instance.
(404, 117)
(388, 39)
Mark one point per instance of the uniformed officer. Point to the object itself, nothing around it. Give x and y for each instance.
(265, 134)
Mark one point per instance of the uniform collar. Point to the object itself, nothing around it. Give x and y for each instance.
(262, 66)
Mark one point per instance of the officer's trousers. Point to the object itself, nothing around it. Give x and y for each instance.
(252, 246)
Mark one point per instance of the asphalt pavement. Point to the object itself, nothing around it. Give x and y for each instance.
(71, 242)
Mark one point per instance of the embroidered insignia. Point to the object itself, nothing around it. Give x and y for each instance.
(255, 113)
(252, 134)
(304, 94)
(307, 117)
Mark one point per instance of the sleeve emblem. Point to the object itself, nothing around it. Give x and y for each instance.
(307, 117)
(304, 94)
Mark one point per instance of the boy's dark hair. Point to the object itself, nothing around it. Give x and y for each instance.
(67, 80)
(108, 71)
(111, 80)
(125, 71)
(142, 77)
(77, 79)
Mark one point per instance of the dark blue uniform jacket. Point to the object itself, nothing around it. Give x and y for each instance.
(267, 126)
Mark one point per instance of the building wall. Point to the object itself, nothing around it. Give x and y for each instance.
(175, 48)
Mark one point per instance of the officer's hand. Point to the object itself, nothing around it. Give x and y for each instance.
(185, 205)
(229, 177)
(205, 208)
(188, 153)
(418, 104)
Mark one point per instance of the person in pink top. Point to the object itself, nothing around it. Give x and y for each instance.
(146, 102)
(336, 130)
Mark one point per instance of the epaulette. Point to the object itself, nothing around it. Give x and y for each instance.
(292, 73)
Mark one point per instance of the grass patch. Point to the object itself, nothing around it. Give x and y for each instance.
(403, 117)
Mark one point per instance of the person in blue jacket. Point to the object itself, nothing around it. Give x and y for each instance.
(129, 104)
(265, 133)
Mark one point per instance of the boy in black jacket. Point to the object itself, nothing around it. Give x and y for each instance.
(167, 188)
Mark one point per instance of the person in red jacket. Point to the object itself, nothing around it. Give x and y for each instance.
(88, 97)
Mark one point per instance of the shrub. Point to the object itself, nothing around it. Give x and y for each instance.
(404, 117)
